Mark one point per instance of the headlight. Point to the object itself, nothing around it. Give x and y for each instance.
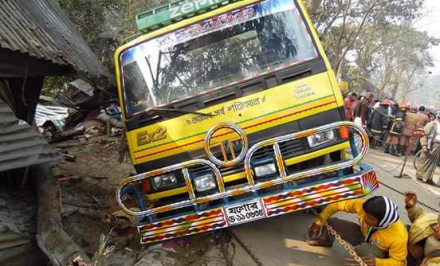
(321, 138)
(163, 181)
(204, 183)
(265, 169)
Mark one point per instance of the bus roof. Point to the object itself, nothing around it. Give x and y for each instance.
(164, 15)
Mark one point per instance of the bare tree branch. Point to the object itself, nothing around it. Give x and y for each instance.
(350, 44)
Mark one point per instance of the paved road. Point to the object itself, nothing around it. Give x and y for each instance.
(280, 241)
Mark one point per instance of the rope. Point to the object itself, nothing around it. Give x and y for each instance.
(371, 134)
(394, 169)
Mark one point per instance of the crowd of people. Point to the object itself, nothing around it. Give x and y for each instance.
(398, 129)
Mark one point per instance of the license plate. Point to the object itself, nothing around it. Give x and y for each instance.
(244, 212)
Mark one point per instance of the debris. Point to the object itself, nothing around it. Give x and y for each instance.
(95, 199)
(69, 157)
(131, 250)
(180, 242)
(69, 145)
(115, 132)
(10, 240)
(78, 261)
(121, 224)
(114, 121)
(107, 140)
(50, 229)
(104, 250)
(47, 116)
(83, 86)
(71, 179)
(99, 178)
(67, 210)
(156, 256)
(92, 128)
(67, 134)
(80, 94)
(90, 213)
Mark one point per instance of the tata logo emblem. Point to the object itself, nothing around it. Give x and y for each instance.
(226, 144)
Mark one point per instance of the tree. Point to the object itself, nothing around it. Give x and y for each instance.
(393, 58)
(341, 22)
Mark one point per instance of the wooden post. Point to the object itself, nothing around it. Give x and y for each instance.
(407, 152)
(51, 238)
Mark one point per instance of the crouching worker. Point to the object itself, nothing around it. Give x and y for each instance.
(380, 238)
(424, 234)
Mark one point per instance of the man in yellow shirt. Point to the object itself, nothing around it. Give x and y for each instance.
(381, 238)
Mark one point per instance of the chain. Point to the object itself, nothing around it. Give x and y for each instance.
(347, 246)
(418, 202)
(248, 250)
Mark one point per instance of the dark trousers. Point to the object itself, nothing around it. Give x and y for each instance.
(351, 232)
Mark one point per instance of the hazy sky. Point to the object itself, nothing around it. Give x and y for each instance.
(431, 23)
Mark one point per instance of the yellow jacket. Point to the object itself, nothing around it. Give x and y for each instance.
(392, 240)
(421, 229)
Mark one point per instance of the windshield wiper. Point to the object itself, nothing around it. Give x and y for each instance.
(169, 110)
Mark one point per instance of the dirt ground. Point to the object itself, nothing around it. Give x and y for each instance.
(88, 199)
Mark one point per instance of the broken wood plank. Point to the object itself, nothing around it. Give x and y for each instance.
(51, 237)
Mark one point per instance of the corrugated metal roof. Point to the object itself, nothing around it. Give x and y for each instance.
(41, 29)
(83, 85)
(20, 145)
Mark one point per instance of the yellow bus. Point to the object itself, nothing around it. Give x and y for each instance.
(232, 114)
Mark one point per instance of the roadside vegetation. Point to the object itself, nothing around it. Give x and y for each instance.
(372, 44)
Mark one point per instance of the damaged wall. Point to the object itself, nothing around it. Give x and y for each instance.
(37, 40)
(20, 145)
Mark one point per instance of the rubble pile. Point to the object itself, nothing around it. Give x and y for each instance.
(91, 141)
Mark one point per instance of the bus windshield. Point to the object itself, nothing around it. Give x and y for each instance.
(213, 53)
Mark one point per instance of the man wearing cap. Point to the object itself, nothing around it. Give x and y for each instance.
(380, 237)
(424, 234)
(430, 151)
